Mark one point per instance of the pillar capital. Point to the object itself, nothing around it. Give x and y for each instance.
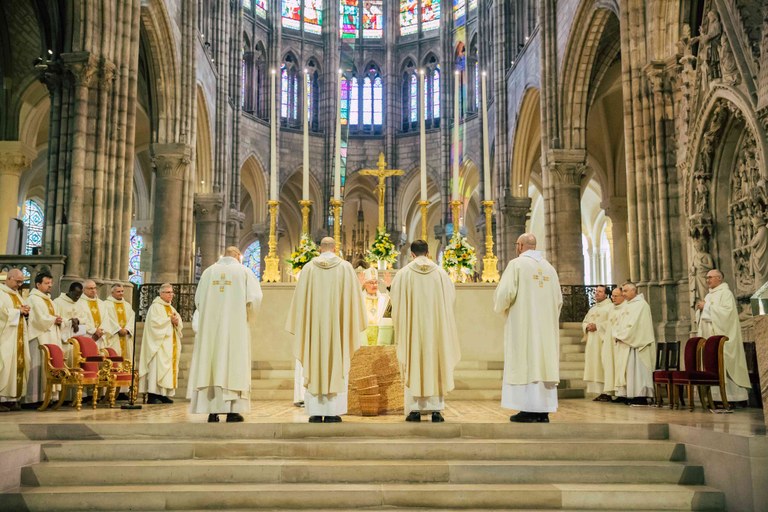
(82, 65)
(171, 160)
(15, 156)
(615, 206)
(208, 206)
(567, 166)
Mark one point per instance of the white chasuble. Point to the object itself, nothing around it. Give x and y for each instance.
(327, 318)
(93, 313)
(529, 295)
(220, 373)
(160, 350)
(594, 367)
(721, 316)
(121, 316)
(635, 349)
(42, 331)
(14, 349)
(423, 300)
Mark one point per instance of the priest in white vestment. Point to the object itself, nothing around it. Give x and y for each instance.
(635, 348)
(529, 295)
(377, 307)
(160, 349)
(220, 373)
(423, 301)
(121, 318)
(597, 332)
(609, 348)
(93, 313)
(719, 314)
(66, 305)
(327, 319)
(44, 329)
(14, 349)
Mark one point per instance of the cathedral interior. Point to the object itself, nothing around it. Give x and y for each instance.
(629, 136)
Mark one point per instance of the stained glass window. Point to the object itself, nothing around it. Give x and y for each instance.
(284, 96)
(350, 19)
(477, 86)
(354, 102)
(247, 5)
(367, 101)
(373, 19)
(33, 220)
(414, 98)
(344, 100)
(313, 16)
(260, 8)
(378, 102)
(472, 4)
(292, 14)
(135, 275)
(459, 12)
(295, 110)
(430, 14)
(436, 93)
(244, 72)
(409, 17)
(252, 258)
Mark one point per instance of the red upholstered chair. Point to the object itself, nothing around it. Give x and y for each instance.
(121, 371)
(57, 372)
(667, 361)
(86, 355)
(678, 378)
(712, 370)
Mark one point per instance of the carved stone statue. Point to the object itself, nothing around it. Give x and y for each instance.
(759, 247)
(711, 32)
(701, 199)
(730, 70)
(686, 42)
(701, 263)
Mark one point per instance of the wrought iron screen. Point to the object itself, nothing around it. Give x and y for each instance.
(183, 299)
(577, 300)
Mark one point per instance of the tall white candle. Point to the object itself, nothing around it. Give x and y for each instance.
(422, 135)
(488, 191)
(337, 148)
(305, 161)
(456, 123)
(274, 120)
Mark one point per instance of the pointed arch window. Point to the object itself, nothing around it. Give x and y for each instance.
(34, 219)
(135, 275)
(432, 92)
(260, 83)
(289, 93)
(252, 258)
(313, 97)
(410, 99)
(471, 89)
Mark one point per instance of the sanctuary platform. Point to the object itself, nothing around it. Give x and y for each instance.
(592, 456)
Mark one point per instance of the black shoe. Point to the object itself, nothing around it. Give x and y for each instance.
(437, 417)
(152, 399)
(213, 418)
(122, 397)
(165, 399)
(315, 419)
(543, 417)
(413, 416)
(638, 401)
(299, 404)
(524, 417)
(332, 419)
(619, 400)
(233, 417)
(86, 400)
(33, 405)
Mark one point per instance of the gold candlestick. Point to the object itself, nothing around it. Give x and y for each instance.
(305, 206)
(456, 209)
(336, 207)
(271, 270)
(424, 205)
(490, 270)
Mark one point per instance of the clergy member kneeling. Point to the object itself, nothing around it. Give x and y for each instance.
(529, 294)
(423, 298)
(719, 314)
(327, 319)
(220, 374)
(160, 349)
(635, 348)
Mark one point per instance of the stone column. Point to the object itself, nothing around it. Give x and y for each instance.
(171, 162)
(234, 226)
(616, 210)
(566, 169)
(207, 221)
(515, 211)
(15, 156)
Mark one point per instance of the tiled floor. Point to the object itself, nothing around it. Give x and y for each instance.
(741, 422)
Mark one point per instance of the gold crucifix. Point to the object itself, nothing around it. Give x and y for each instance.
(540, 278)
(382, 173)
(222, 283)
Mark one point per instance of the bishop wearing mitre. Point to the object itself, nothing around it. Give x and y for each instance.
(377, 306)
(44, 322)
(327, 319)
(227, 296)
(635, 348)
(423, 299)
(597, 332)
(160, 349)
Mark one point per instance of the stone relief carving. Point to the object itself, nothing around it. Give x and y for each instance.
(729, 68)
(711, 32)
(702, 263)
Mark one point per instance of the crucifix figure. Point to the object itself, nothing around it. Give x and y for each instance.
(382, 173)
(222, 283)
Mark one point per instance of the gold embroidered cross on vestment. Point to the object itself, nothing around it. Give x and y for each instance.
(223, 282)
(540, 278)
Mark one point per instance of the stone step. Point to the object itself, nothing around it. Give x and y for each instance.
(272, 374)
(271, 394)
(359, 496)
(571, 349)
(364, 449)
(263, 384)
(238, 471)
(128, 432)
(573, 357)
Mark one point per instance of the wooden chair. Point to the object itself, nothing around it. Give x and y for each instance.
(679, 378)
(712, 370)
(57, 372)
(121, 370)
(667, 361)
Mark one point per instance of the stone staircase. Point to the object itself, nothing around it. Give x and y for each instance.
(357, 466)
(475, 380)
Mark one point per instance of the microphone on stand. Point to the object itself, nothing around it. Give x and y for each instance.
(132, 394)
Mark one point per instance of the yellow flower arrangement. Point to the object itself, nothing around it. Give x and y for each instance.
(459, 255)
(306, 250)
(382, 249)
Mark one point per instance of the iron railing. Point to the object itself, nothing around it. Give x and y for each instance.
(183, 299)
(577, 299)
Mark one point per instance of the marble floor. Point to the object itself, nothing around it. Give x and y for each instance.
(745, 422)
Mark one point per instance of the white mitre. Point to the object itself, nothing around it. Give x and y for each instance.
(370, 274)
